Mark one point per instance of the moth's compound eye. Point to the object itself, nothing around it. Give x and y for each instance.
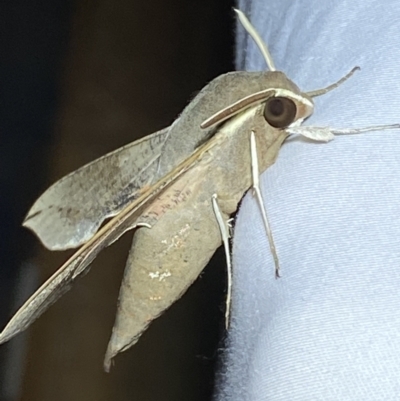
(279, 112)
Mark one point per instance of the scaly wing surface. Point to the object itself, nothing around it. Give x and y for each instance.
(62, 280)
(71, 211)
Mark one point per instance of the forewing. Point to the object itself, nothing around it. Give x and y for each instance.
(71, 211)
(164, 261)
(79, 263)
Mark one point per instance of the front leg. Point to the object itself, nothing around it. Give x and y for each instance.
(255, 174)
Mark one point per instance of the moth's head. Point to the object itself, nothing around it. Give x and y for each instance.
(281, 101)
(284, 103)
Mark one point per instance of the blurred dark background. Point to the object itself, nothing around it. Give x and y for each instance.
(78, 79)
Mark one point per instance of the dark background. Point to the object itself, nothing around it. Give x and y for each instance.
(78, 79)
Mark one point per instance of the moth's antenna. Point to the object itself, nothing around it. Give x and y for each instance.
(322, 91)
(256, 37)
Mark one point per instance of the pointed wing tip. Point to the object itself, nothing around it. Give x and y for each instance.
(27, 224)
(31, 215)
(56, 242)
(108, 359)
(6, 335)
(107, 365)
(118, 344)
(114, 347)
(30, 224)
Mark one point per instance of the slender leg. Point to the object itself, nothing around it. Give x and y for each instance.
(224, 229)
(257, 193)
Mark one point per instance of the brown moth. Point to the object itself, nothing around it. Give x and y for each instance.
(177, 188)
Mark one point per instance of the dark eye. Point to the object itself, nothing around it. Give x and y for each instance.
(280, 112)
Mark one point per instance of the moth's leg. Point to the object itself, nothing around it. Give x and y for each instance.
(225, 234)
(230, 226)
(257, 193)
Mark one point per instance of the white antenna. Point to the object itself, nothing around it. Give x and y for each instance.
(256, 37)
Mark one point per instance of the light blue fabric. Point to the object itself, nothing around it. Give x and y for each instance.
(329, 329)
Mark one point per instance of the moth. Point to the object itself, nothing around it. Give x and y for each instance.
(177, 188)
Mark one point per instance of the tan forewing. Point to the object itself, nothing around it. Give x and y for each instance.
(79, 263)
(71, 211)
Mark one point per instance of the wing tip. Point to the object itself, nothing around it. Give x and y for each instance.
(111, 352)
(108, 361)
(30, 216)
(7, 334)
(116, 345)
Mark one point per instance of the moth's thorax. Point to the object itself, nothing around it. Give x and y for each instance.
(228, 171)
(220, 93)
